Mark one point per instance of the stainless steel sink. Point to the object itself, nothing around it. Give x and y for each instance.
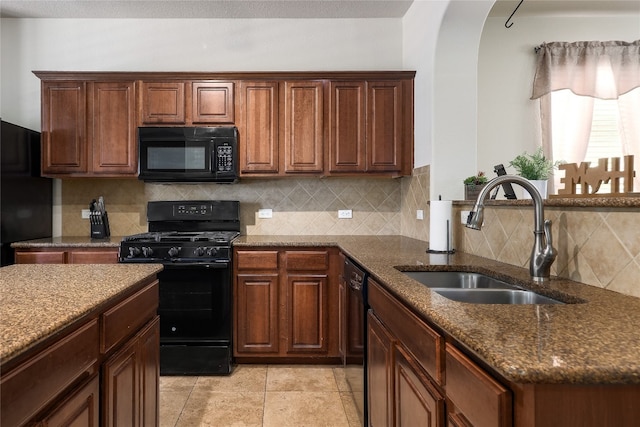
(496, 296)
(457, 280)
(477, 288)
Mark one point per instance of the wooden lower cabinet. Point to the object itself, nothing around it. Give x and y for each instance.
(380, 374)
(286, 304)
(406, 385)
(399, 392)
(104, 372)
(418, 402)
(130, 381)
(65, 255)
(82, 408)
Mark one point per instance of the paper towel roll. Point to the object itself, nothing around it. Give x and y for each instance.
(440, 226)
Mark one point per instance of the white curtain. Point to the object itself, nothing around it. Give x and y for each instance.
(568, 77)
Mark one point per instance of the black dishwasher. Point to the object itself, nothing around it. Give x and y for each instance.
(356, 335)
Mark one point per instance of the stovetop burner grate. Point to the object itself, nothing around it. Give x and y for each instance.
(220, 237)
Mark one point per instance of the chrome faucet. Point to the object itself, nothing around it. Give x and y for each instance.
(543, 254)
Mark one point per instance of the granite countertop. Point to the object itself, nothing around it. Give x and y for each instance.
(69, 242)
(37, 300)
(591, 342)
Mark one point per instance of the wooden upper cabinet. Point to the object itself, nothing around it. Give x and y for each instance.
(88, 128)
(370, 127)
(384, 126)
(162, 102)
(212, 103)
(112, 128)
(347, 131)
(303, 127)
(186, 103)
(64, 147)
(258, 122)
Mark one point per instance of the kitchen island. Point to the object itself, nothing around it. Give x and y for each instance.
(79, 341)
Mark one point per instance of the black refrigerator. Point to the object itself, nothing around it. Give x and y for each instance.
(25, 197)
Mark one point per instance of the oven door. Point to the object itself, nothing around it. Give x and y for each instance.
(195, 319)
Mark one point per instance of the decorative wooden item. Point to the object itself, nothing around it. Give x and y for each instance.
(591, 178)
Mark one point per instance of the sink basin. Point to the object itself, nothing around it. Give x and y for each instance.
(457, 280)
(496, 296)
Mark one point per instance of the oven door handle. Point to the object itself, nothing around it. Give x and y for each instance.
(209, 265)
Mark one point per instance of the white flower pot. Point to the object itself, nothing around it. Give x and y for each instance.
(540, 184)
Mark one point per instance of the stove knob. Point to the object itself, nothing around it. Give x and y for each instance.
(174, 251)
(199, 251)
(133, 252)
(212, 251)
(147, 252)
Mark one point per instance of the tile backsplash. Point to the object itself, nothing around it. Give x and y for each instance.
(307, 206)
(597, 246)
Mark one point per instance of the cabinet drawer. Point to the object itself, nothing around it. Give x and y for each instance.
(480, 398)
(42, 257)
(93, 257)
(128, 317)
(307, 260)
(425, 344)
(31, 386)
(257, 260)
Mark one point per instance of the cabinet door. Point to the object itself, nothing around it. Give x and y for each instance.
(149, 359)
(82, 408)
(417, 402)
(347, 130)
(121, 378)
(162, 103)
(258, 126)
(307, 316)
(380, 373)
(112, 128)
(64, 143)
(384, 126)
(212, 103)
(256, 325)
(44, 257)
(303, 127)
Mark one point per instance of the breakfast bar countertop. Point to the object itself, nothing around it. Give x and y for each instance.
(39, 300)
(590, 340)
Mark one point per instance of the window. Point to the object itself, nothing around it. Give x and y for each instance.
(589, 102)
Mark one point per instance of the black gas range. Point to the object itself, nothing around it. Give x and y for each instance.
(192, 239)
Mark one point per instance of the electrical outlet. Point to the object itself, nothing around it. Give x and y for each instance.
(265, 213)
(85, 213)
(345, 213)
(463, 216)
(419, 214)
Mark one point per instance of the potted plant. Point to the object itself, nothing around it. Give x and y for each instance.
(536, 168)
(473, 185)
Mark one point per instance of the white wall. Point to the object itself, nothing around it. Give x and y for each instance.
(455, 97)
(508, 121)
(420, 27)
(184, 45)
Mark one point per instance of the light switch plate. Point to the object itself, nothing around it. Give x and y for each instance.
(463, 216)
(419, 214)
(265, 213)
(345, 213)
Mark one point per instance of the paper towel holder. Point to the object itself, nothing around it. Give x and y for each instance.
(449, 251)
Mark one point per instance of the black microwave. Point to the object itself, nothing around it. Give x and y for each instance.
(188, 154)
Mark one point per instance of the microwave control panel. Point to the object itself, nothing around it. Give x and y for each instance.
(224, 158)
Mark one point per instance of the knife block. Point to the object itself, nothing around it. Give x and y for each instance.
(99, 225)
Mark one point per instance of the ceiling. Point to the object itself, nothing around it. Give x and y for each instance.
(287, 9)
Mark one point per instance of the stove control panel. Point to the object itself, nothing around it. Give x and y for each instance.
(191, 210)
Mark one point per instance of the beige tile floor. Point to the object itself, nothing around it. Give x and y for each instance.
(261, 396)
